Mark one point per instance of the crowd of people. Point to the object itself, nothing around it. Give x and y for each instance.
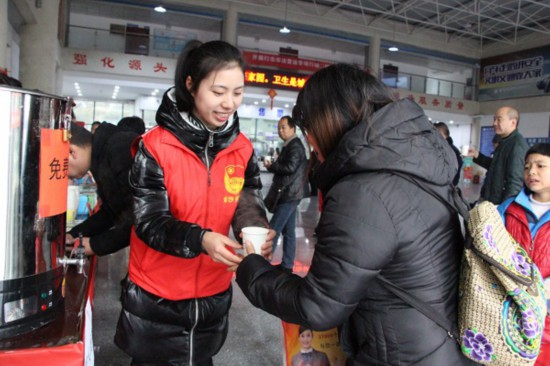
(174, 193)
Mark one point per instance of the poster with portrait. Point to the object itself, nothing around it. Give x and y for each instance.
(304, 347)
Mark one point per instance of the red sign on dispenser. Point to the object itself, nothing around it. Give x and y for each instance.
(54, 173)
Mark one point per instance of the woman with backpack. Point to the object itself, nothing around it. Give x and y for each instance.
(374, 152)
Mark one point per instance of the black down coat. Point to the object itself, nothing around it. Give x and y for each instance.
(109, 228)
(290, 171)
(376, 223)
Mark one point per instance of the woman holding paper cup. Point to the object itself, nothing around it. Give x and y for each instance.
(194, 176)
(375, 153)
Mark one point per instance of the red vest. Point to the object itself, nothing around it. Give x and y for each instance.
(538, 247)
(196, 195)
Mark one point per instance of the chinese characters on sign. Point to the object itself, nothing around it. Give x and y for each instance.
(53, 173)
(57, 170)
(159, 67)
(122, 63)
(283, 62)
(434, 101)
(274, 79)
(505, 72)
(108, 62)
(134, 64)
(80, 59)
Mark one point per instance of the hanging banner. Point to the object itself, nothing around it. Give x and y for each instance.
(53, 172)
(513, 75)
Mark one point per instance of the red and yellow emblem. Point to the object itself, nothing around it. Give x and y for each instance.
(234, 179)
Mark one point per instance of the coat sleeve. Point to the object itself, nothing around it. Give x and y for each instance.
(251, 209)
(99, 221)
(356, 238)
(109, 228)
(154, 223)
(483, 161)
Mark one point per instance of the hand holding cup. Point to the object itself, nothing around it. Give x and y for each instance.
(256, 236)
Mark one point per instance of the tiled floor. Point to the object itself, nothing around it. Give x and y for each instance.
(255, 337)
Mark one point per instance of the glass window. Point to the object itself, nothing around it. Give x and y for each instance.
(445, 88)
(108, 112)
(84, 111)
(432, 86)
(149, 118)
(458, 90)
(417, 83)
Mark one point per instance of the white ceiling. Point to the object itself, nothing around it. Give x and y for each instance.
(481, 21)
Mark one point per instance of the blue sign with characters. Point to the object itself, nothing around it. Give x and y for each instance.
(261, 111)
(280, 112)
(536, 140)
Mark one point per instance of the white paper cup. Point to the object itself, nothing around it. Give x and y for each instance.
(267, 159)
(464, 150)
(255, 235)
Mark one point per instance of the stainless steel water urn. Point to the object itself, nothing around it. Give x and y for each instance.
(32, 219)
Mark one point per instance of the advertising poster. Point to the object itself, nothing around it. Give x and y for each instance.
(514, 75)
(304, 347)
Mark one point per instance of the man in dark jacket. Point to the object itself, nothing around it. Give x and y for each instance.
(106, 153)
(505, 169)
(289, 178)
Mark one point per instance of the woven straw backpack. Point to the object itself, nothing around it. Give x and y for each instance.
(502, 301)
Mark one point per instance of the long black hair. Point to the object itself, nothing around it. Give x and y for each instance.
(197, 60)
(334, 100)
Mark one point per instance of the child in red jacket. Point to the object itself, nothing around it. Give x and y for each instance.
(527, 216)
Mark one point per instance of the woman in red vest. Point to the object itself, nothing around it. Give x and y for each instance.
(194, 176)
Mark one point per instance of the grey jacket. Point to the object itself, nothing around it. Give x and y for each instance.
(505, 169)
(376, 223)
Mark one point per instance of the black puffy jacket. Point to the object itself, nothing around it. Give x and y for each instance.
(376, 223)
(290, 171)
(109, 228)
(190, 329)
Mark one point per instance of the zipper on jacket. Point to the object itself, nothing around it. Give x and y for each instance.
(192, 331)
(210, 143)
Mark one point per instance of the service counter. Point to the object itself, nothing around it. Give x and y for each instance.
(68, 339)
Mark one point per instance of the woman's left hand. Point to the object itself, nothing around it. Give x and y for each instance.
(267, 247)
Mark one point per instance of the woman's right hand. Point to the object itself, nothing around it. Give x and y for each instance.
(215, 245)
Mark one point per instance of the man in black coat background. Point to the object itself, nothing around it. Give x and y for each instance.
(107, 154)
(289, 171)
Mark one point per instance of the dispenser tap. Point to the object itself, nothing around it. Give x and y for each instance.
(80, 256)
